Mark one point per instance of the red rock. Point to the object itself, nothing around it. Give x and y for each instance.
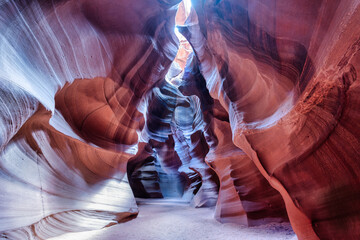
(256, 107)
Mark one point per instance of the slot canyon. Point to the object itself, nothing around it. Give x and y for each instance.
(179, 120)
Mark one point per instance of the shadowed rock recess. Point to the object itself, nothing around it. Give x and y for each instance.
(250, 106)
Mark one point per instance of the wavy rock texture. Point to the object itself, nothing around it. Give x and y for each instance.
(255, 109)
(245, 197)
(289, 89)
(242, 186)
(53, 183)
(65, 170)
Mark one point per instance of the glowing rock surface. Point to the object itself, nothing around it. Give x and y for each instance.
(249, 106)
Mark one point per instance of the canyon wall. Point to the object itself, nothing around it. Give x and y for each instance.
(255, 108)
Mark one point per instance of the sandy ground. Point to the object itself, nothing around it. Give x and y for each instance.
(172, 220)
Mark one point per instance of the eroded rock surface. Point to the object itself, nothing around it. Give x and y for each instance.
(255, 108)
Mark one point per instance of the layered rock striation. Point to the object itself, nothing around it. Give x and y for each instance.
(251, 106)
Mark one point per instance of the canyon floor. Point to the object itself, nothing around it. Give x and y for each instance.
(171, 219)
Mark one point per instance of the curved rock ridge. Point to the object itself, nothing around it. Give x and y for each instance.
(245, 197)
(53, 183)
(249, 106)
(289, 89)
(173, 125)
(65, 170)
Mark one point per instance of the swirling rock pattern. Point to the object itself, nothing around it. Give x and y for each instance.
(288, 88)
(255, 109)
(54, 183)
(65, 170)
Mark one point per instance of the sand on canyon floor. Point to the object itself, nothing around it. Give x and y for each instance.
(175, 220)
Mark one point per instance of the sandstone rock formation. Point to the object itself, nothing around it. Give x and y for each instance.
(252, 106)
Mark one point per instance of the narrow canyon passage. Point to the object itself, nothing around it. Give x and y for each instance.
(179, 119)
(165, 219)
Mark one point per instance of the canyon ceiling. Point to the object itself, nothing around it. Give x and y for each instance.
(249, 105)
